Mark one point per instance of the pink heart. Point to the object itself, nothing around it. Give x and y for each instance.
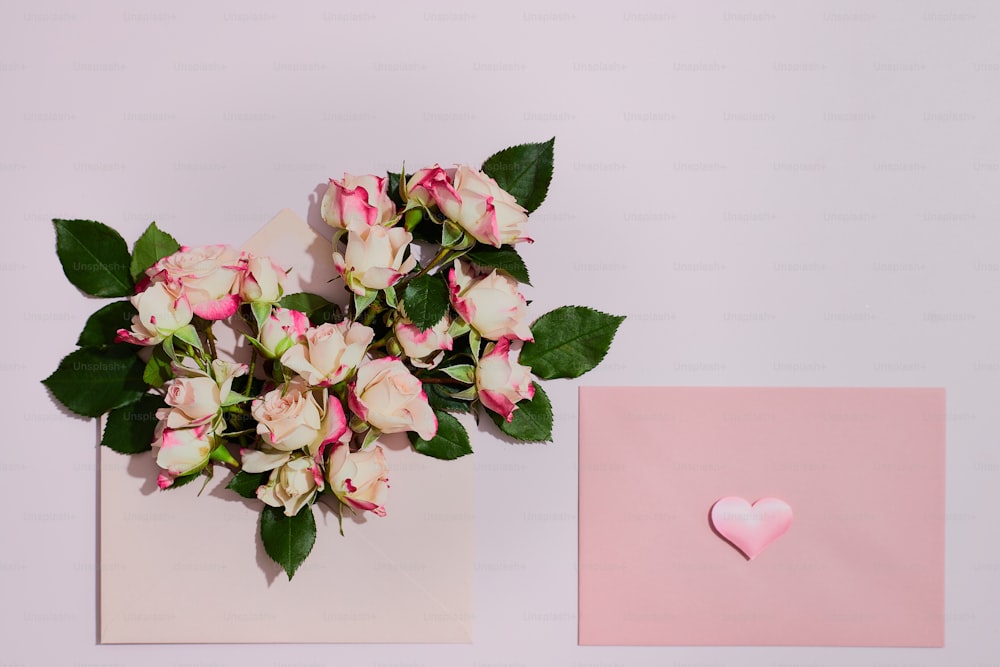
(751, 528)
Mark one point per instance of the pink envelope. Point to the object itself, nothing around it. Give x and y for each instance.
(862, 563)
(178, 568)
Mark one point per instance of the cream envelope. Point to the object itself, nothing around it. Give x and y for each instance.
(178, 568)
(862, 563)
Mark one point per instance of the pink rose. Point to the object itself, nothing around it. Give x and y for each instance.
(501, 381)
(374, 258)
(263, 281)
(209, 276)
(430, 186)
(359, 479)
(283, 329)
(163, 309)
(386, 395)
(292, 485)
(482, 208)
(330, 352)
(291, 417)
(489, 302)
(424, 348)
(357, 202)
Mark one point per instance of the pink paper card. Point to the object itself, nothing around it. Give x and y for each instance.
(178, 568)
(848, 539)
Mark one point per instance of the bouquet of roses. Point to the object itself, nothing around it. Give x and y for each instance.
(435, 324)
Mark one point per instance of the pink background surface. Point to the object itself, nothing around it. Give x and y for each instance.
(801, 195)
(861, 565)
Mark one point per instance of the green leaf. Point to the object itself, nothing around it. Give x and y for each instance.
(393, 190)
(425, 301)
(129, 429)
(504, 258)
(287, 539)
(94, 257)
(467, 394)
(316, 308)
(474, 341)
(261, 311)
(92, 381)
(103, 325)
(532, 420)
(184, 480)
(246, 483)
(189, 335)
(362, 302)
(462, 372)
(569, 341)
(153, 245)
(440, 398)
(524, 171)
(451, 441)
(157, 371)
(451, 234)
(370, 437)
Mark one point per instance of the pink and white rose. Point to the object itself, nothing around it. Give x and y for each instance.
(431, 186)
(359, 479)
(263, 281)
(196, 397)
(357, 202)
(481, 207)
(489, 302)
(374, 258)
(209, 275)
(425, 348)
(386, 395)
(163, 309)
(291, 417)
(501, 381)
(182, 451)
(199, 396)
(283, 329)
(292, 485)
(329, 352)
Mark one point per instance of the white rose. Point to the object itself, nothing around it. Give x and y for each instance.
(209, 276)
(163, 309)
(357, 202)
(290, 417)
(330, 352)
(292, 485)
(386, 395)
(182, 451)
(263, 281)
(425, 348)
(359, 479)
(501, 381)
(374, 258)
(490, 303)
(283, 329)
(484, 209)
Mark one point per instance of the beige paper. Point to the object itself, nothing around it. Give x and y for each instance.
(179, 568)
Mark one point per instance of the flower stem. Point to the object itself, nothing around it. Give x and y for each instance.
(450, 381)
(253, 364)
(210, 339)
